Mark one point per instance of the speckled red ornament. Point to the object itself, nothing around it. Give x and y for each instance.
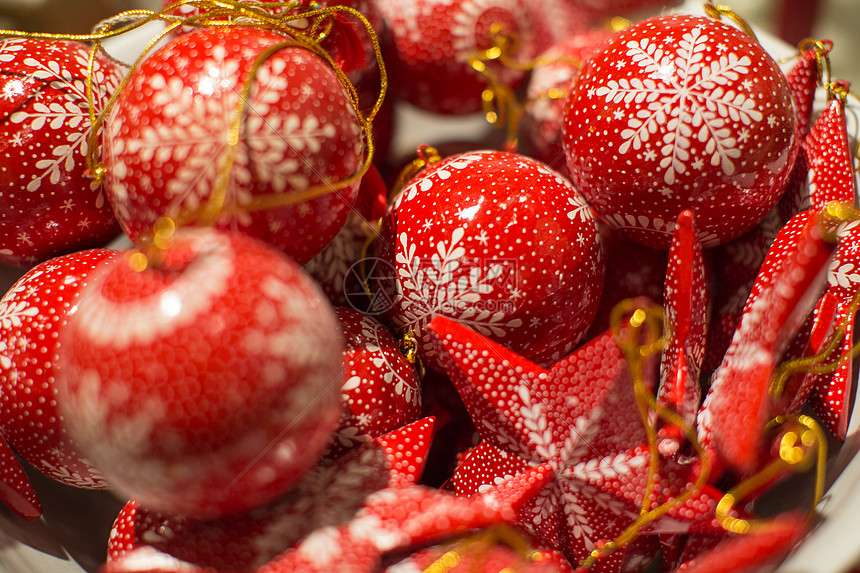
(739, 402)
(207, 383)
(496, 241)
(48, 206)
(681, 112)
(435, 41)
(328, 495)
(16, 492)
(33, 314)
(548, 87)
(168, 137)
(381, 390)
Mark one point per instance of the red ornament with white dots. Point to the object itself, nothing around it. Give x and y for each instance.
(206, 383)
(179, 144)
(33, 313)
(381, 389)
(435, 43)
(496, 241)
(48, 205)
(681, 112)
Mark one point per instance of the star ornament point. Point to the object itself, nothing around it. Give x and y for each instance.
(580, 417)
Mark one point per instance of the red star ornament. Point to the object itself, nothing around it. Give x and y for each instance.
(685, 298)
(330, 494)
(581, 417)
(399, 519)
(732, 419)
(751, 552)
(803, 79)
(16, 492)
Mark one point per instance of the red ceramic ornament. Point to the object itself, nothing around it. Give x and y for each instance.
(557, 20)
(435, 42)
(381, 389)
(33, 314)
(739, 403)
(207, 383)
(580, 417)
(680, 112)
(16, 492)
(803, 79)
(496, 241)
(48, 206)
(548, 87)
(686, 298)
(168, 150)
(328, 495)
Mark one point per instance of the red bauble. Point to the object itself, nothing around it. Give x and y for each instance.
(207, 383)
(496, 241)
(167, 139)
(381, 390)
(48, 206)
(681, 112)
(434, 43)
(33, 313)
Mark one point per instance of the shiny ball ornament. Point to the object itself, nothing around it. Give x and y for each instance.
(381, 390)
(206, 383)
(680, 112)
(496, 241)
(436, 41)
(180, 142)
(33, 313)
(48, 205)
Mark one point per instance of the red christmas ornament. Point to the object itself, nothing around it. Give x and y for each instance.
(681, 112)
(168, 140)
(580, 417)
(498, 242)
(206, 383)
(381, 390)
(548, 87)
(48, 205)
(328, 495)
(16, 492)
(33, 314)
(685, 298)
(739, 403)
(436, 41)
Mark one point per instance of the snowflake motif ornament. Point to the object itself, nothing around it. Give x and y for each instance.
(189, 383)
(498, 242)
(580, 417)
(47, 204)
(681, 112)
(168, 147)
(33, 313)
(328, 495)
(434, 42)
(380, 390)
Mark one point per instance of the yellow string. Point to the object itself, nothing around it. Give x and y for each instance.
(480, 544)
(410, 349)
(717, 12)
(635, 352)
(802, 445)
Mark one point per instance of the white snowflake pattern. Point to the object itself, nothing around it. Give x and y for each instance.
(72, 115)
(409, 389)
(692, 98)
(442, 286)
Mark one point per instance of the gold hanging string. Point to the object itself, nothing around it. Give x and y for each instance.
(717, 12)
(635, 353)
(803, 444)
(409, 347)
(425, 156)
(480, 544)
(816, 364)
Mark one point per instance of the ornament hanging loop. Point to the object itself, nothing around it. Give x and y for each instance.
(717, 12)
